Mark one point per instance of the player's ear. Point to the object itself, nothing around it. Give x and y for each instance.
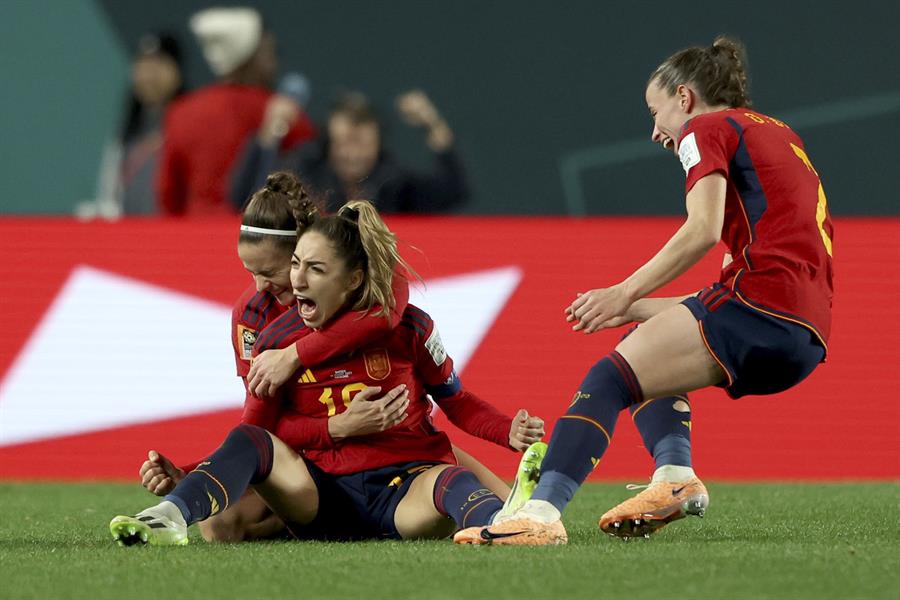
(687, 98)
(356, 279)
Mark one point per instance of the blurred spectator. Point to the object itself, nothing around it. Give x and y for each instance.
(204, 130)
(128, 172)
(351, 161)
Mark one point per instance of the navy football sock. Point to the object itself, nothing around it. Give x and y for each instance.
(244, 457)
(665, 426)
(459, 495)
(582, 435)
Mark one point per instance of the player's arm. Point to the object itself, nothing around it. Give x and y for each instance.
(699, 233)
(368, 412)
(348, 331)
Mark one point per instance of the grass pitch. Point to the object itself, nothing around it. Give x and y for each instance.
(757, 541)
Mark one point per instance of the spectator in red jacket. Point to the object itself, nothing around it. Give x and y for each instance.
(205, 130)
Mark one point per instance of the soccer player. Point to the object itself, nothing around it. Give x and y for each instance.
(267, 239)
(399, 482)
(761, 329)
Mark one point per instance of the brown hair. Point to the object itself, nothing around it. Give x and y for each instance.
(718, 72)
(363, 241)
(273, 207)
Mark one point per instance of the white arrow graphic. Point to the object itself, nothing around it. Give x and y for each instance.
(114, 351)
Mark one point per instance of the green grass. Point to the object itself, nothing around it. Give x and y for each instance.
(757, 541)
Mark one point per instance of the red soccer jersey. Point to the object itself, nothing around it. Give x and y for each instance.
(203, 135)
(412, 354)
(777, 226)
(254, 311)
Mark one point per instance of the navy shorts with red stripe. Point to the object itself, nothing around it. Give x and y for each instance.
(358, 506)
(761, 354)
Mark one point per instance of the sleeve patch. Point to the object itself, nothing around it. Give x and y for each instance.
(246, 339)
(688, 152)
(435, 347)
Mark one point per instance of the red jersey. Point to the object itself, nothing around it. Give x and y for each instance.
(203, 134)
(777, 226)
(254, 311)
(412, 354)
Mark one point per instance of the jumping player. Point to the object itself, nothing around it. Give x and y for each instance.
(402, 482)
(267, 238)
(761, 329)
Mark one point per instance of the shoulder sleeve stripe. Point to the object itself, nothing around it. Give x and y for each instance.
(413, 326)
(277, 330)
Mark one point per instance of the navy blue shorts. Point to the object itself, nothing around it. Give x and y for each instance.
(759, 353)
(358, 506)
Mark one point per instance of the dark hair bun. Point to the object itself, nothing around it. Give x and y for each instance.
(285, 183)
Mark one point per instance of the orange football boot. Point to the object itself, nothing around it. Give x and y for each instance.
(515, 532)
(658, 505)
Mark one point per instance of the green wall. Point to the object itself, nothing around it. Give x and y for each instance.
(546, 98)
(64, 70)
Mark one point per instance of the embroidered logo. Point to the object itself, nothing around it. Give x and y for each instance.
(378, 363)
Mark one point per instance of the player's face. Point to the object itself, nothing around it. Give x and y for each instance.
(271, 269)
(322, 283)
(669, 115)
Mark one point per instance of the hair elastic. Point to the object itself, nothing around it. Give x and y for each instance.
(281, 232)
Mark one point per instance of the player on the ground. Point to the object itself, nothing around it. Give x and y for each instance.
(399, 481)
(267, 239)
(761, 329)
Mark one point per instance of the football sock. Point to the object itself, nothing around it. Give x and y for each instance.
(459, 495)
(665, 426)
(245, 457)
(582, 435)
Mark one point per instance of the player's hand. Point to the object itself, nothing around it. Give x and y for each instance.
(525, 430)
(270, 370)
(367, 414)
(159, 475)
(598, 309)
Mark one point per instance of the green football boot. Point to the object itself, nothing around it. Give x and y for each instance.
(159, 525)
(527, 478)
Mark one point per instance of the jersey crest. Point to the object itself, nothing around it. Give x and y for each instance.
(378, 363)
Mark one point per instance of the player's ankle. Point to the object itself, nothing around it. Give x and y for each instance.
(540, 510)
(672, 474)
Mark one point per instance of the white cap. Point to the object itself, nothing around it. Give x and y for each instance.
(228, 36)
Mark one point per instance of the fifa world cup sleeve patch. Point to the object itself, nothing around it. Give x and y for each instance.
(688, 152)
(246, 339)
(435, 347)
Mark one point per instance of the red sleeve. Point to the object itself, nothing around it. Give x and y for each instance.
(706, 146)
(302, 432)
(477, 417)
(170, 178)
(350, 330)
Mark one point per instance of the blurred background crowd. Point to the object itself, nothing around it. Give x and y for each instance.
(422, 107)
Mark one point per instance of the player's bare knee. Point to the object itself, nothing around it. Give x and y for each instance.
(225, 528)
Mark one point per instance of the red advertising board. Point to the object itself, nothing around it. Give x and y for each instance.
(85, 389)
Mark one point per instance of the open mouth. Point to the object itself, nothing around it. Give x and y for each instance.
(307, 308)
(668, 143)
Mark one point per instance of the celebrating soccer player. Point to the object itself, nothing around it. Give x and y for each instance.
(761, 329)
(399, 479)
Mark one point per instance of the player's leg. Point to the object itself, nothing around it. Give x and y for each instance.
(248, 456)
(485, 475)
(249, 519)
(442, 499)
(665, 356)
